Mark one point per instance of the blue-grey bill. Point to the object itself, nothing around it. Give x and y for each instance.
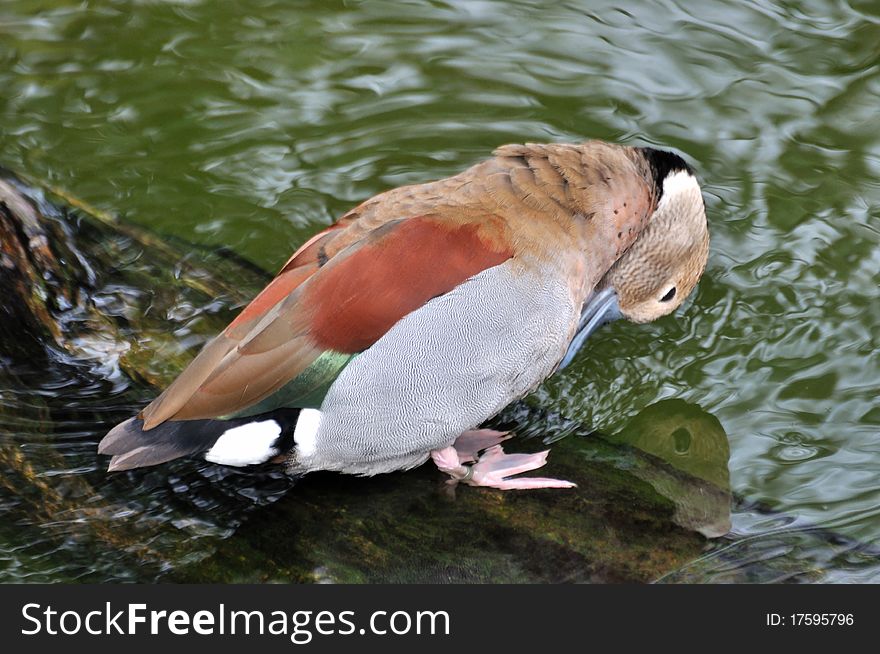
(600, 308)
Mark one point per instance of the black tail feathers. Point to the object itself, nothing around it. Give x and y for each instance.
(238, 441)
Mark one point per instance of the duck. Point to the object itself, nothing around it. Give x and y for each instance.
(389, 337)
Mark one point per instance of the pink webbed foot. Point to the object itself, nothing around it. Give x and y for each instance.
(493, 468)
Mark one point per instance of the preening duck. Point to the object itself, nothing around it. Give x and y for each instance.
(389, 337)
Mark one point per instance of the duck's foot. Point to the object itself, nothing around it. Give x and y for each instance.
(493, 468)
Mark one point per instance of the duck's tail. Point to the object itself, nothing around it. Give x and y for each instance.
(234, 442)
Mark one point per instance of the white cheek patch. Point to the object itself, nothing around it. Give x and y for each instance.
(679, 186)
(306, 432)
(246, 445)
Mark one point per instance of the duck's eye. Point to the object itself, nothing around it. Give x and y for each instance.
(669, 295)
(681, 439)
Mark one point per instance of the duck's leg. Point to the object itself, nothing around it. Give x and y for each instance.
(493, 468)
(466, 449)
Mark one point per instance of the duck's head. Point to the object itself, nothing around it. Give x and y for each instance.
(666, 261)
(663, 265)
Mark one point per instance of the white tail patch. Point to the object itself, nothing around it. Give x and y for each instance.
(306, 432)
(246, 445)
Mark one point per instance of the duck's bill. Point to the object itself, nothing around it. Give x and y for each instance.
(599, 309)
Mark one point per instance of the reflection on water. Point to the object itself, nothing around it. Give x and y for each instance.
(768, 547)
(253, 126)
(693, 442)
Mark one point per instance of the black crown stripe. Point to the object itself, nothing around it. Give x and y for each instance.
(662, 163)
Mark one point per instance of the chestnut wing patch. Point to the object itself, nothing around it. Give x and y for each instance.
(404, 265)
(304, 263)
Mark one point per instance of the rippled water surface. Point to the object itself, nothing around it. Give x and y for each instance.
(253, 124)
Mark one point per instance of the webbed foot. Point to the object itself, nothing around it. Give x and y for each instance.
(493, 468)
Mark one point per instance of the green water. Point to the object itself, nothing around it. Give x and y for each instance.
(254, 124)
